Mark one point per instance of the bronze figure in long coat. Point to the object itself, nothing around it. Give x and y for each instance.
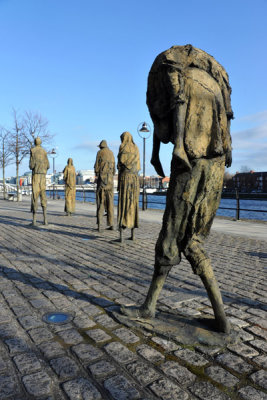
(128, 184)
(69, 176)
(188, 97)
(105, 171)
(39, 165)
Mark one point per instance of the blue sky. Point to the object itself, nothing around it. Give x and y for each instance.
(84, 65)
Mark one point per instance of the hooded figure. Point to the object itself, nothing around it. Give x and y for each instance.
(69, 176)
(128, 184)
(105, 170)
(188, 97)
(39, 165)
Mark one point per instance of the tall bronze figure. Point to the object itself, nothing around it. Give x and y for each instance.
(128, 184)
(39, 165)
(69, 176)
(188, 97)
(105, 170)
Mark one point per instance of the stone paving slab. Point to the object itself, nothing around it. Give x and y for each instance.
(70, 267)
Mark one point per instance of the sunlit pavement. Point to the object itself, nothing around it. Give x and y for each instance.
(70, 267)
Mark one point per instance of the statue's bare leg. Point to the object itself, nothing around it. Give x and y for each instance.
(100, 217)
(212, 288)
(121, 235)
(132, 234)
(34, 219)
(45, 216)
(201, 264)
(148, 309)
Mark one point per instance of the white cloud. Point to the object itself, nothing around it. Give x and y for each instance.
(258, 117)
(250, 145)
(255, 133)
(92, 146)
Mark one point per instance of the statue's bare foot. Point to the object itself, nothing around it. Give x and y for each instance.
(137, 312)
(223, 325)
(45, 223)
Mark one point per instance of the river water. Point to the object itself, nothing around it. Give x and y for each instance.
(227, 207)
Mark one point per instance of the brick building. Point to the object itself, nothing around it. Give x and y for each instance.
(248, 182)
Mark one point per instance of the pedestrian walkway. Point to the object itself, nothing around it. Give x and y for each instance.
(69, 267)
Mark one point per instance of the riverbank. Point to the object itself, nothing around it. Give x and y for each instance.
(249, 209)
(245, 228)
(231, 195)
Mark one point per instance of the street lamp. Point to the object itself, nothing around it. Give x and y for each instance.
(54, 154)
(144, 131)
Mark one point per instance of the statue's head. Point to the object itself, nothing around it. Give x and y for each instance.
(37, 141)
(70, 161)
(126, 137)
(103, 144)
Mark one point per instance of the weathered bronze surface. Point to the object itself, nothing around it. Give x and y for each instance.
(105, 170)
(184, 330)
(39, 165)
(128, 184)
(69, 176)
(188, 97)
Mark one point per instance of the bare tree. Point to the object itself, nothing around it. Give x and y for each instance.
(18, 144)
(227, 180)
(25, 129)
(6, 156)
(35, 125)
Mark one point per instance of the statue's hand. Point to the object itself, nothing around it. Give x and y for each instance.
(228, 159)
(155, 161)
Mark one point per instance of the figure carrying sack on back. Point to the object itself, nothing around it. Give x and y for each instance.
(188, 97)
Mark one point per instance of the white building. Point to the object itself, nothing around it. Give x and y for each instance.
(85, 176)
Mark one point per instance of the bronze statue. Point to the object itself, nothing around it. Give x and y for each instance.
(69, 176)
(39, 165)
(188, 97)
(128, 184)
(105, 170)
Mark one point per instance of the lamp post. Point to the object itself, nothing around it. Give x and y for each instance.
(144, 132)
(54, 154)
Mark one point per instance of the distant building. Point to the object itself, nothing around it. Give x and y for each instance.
(57, 178)
(247, 182)
(85, 176)
(48, 179)
(165, 182)
(153, 181)
(26, 178)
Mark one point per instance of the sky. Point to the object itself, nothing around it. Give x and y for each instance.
(84, 64)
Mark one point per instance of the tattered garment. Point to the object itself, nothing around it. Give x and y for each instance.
(70, 188)
(128, 185)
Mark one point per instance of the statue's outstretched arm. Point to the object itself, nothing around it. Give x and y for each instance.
(155, 161)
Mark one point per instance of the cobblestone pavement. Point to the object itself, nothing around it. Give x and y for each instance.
(71, 267)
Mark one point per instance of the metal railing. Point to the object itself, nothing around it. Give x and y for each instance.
(89, 195)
